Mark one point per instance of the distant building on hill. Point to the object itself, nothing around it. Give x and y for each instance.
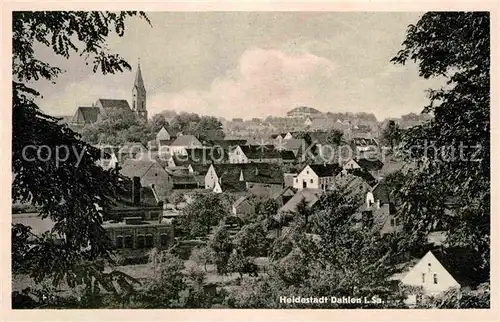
(303, 112)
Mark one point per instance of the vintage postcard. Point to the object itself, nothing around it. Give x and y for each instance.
(326, 157)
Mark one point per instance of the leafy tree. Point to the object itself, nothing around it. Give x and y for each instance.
(221, 245)
(265, 209)
(157, 122)
(117, 127)
(203, 256)
(73, 191)
(334, 137)
(452, 149)
(176, 198)
(237, 262)
(391, 135)
(163, 289)
(204, 212)
(183, 122)
(251, 240)
(208, 127)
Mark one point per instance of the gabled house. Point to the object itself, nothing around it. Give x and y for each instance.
(363, 144)
(255, 154)
(237, 188)
(184, 142)
(150, 174)
(195, 156)
(317, 176)
(285, 195)
(243, 206)
(442, 269)
(378, 211)
(165, 135)
(254, 176)
(374, 166)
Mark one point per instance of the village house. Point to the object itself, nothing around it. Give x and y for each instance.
(373, 166)
(243, 206)
(441, 269)
(259, 154)
(317, 176)
(165, 137)
(182, 143)
(195, 156)
(378, 211)
(150, 174)
(363, 145)
(243, 177)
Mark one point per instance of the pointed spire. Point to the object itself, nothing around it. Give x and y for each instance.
(139, 83)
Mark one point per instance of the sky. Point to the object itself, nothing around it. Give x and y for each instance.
(252, 64)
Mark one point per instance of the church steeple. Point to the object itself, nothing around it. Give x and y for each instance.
(139, 95)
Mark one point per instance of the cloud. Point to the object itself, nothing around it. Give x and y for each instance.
(265, 82)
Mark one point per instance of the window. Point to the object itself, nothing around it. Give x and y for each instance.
(435, 278)
(129, 242)
(307, 172)
(393, 222)
(119, 242)
(312, 180)
(423, 277)
(139, 241)
(297, 180)
(164, 240)
(149, 241)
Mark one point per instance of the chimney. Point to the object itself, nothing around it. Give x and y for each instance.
(136, 191)
(256, 171)
(377, 204)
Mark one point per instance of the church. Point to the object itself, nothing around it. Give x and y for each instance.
(90, 114)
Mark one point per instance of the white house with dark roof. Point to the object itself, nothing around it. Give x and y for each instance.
(183, 143)
(317, 176)
(442, 269)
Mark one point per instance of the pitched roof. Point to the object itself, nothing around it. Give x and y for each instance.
(200, 168)
(381, 192)
(226, 144)
(264, 173)
(311, 196)
(136, 168)
(86, 114)
(239, 186)
(240, 200)
(186, 140)
(260, 152)
(463, 264)
(287, 155)
(364, 175)
(326, 170)
(252, 172)
(364, 142)
(370, 165)
(184, 179)
(139, 82)
(293, 144)
(113, 103)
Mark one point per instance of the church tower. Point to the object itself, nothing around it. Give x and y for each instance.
(139, 95)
